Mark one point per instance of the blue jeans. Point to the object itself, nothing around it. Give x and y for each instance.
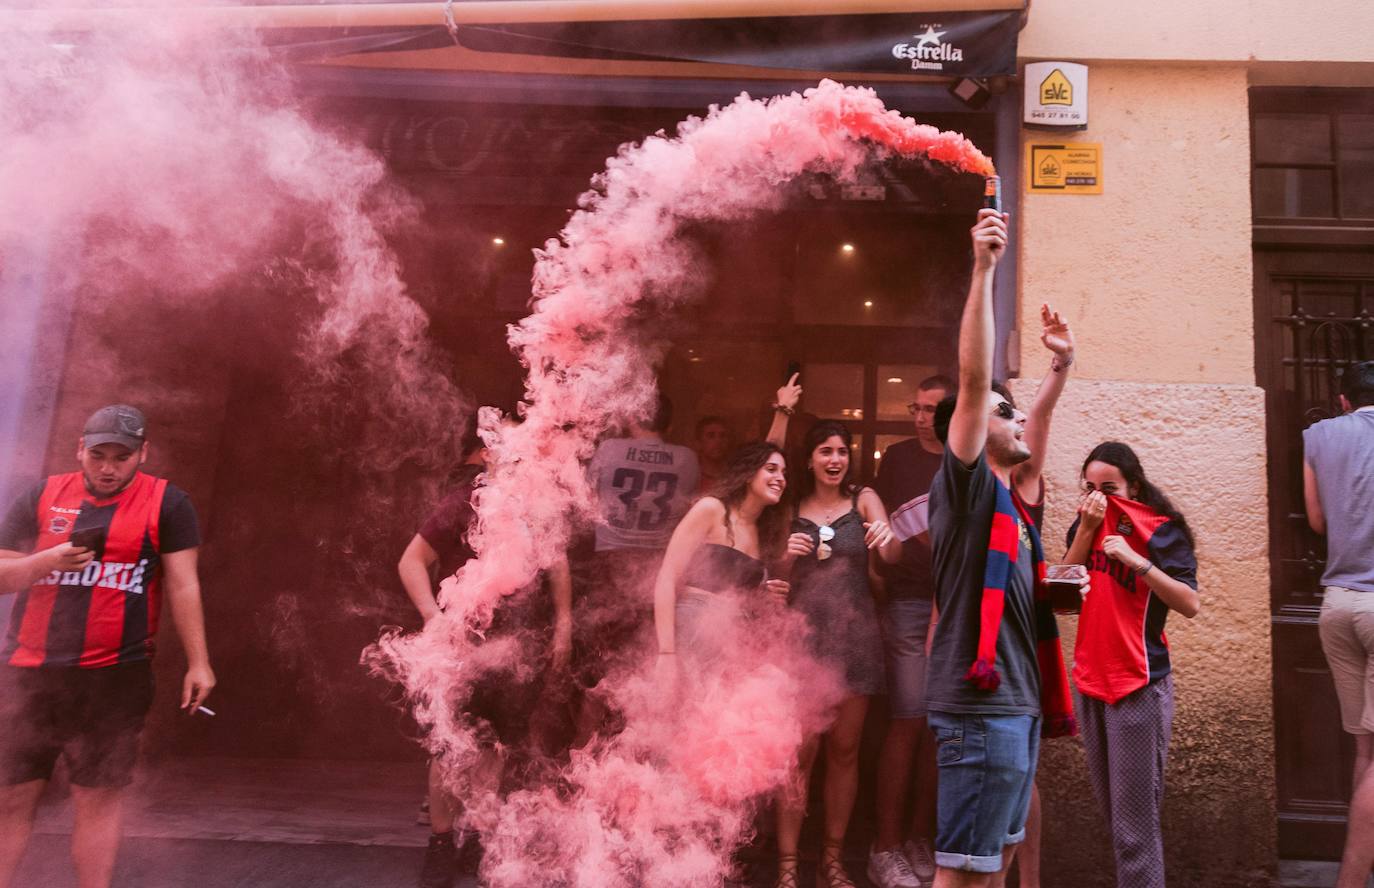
(987, 768)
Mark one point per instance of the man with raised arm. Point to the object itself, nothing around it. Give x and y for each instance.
(996, 678)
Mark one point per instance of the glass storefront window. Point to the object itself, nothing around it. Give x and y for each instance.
(834, 391)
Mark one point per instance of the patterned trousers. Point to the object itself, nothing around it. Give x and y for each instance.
(1127, 744)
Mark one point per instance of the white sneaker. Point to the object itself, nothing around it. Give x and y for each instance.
(889, 869)
(921, 858)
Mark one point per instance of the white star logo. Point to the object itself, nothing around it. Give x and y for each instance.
(930, 38)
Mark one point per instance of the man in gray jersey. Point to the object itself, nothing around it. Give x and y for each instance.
(644, 485)
(1338, 487)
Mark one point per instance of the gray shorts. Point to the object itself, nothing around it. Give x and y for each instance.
(905, 622)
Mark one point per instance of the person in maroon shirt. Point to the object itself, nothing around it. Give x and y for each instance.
(505, 703)
(76, 682)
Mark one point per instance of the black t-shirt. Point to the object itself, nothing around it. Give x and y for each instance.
(906, 472)
(962, 502)
(178, 528)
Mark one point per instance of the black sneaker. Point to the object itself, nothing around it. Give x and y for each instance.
(441, 862)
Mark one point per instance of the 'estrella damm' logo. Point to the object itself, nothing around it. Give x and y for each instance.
(928, 53)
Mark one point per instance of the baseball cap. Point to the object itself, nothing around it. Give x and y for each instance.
(115, 424)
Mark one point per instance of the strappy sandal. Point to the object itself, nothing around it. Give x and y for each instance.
(787, 876)
(830, 871)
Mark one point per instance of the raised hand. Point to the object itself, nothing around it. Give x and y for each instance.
(989, 239)
(1055, 332)
(789, 395)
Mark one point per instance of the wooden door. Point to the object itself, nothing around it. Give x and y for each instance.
(1314, 314)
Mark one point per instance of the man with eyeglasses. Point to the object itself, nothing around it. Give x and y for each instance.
(904, 478)
(995, 680)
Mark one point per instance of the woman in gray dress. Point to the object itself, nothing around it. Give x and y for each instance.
(837, 528)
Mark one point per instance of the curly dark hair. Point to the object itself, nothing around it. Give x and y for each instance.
(733, 487)
(1114, 453)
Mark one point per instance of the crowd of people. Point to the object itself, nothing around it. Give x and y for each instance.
(928, 587)
(933, 587)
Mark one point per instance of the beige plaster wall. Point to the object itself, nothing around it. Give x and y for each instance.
(1185, 30)
(1156, 276)
(1157, 269)
(1204, 446)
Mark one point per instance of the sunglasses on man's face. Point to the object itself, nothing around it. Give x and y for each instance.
(1004, 411)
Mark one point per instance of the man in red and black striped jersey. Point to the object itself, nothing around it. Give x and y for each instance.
(103, 545)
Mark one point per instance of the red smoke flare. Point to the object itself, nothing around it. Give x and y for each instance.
(666, 801)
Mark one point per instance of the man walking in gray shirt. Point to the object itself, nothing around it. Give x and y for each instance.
(1338, 487)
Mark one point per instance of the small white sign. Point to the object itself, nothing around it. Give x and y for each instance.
(1056, 94)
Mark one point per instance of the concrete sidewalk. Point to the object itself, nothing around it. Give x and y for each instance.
(209, 863)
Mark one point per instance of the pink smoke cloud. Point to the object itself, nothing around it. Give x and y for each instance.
(158, 166)
(664, 802)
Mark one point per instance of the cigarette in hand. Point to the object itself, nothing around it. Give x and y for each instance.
(205, 710)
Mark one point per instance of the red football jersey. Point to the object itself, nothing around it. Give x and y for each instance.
(108, 612)
(1121, 645)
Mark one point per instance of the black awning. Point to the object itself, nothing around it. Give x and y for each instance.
(974, 44)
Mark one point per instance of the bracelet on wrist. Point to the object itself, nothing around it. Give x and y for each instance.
(783, 409)
(1060, 363)
(1144, 569)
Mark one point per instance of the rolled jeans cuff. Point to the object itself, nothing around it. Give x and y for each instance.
(968, 863)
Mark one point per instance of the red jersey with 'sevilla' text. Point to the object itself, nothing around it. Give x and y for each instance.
(108, 612)
(1121, 644)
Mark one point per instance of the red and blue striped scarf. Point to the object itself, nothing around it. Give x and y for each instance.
(1056, 705)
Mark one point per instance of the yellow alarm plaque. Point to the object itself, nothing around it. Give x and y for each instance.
(1068, 168)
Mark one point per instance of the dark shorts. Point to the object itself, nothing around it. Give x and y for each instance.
(613, 612)
(502, 705)
(906, 623)
(503, 701)
(92, 718)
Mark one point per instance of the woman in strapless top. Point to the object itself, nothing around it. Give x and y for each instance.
(720, 546)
